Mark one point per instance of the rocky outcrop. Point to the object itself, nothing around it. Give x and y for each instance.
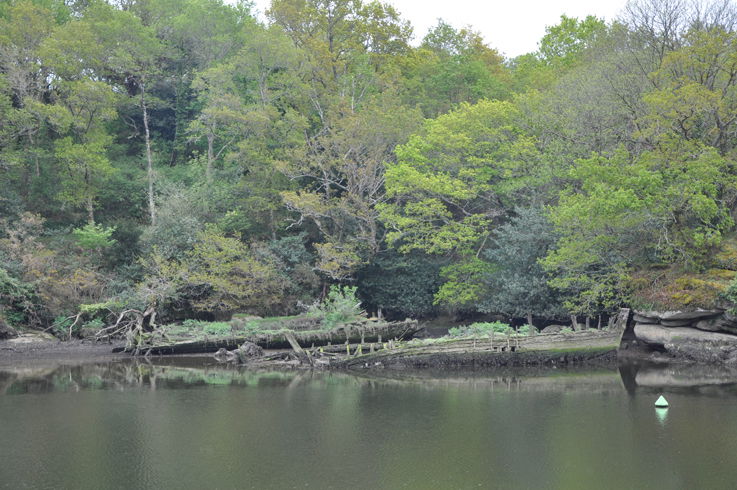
(708, 336)
(241, 355)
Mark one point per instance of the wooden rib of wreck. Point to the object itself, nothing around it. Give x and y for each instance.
(352, 333)
(582, 347)
(589, 347)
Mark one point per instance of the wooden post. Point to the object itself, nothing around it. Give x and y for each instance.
(289, 335)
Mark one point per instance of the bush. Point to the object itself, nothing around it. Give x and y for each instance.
(94, 237)
(730, 294)
(190, 326)
(341, 306)
(481, 330)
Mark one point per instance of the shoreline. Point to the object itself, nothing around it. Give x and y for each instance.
(32, 351)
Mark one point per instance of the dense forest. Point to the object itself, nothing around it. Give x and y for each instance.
(183, 159)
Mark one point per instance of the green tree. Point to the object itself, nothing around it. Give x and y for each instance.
(659, 206)
(452, 180)
(453, 66)
(221, 275)
(517, 284)
(85, 107)
(564, 43)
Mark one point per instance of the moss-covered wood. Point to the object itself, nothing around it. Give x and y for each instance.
(351, 333)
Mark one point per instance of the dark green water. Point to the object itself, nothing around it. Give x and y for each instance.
(135, 425)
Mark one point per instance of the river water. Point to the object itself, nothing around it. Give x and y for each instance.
(190, 424)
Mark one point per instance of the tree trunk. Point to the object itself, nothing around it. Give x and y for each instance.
(90, 211)
(529, 322)
(149, 159)
(598, 327)
(574, 323)
(588, 322)
(210, 157)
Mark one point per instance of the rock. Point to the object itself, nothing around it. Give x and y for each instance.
(676, 323)
(657, 334)
(6, 331)
(689, 344)
(729, 318)
(247, 351)
(553, 329)
(709, 325)
(649, 317)
(691, 315)
(653, 317)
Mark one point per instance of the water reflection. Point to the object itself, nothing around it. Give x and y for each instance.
(190, 423)
(197, 372)
(710, 380)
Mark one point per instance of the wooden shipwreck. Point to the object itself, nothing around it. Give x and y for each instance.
(355, 333)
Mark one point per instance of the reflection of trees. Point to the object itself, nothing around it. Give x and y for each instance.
(133, 375)
(183, 373)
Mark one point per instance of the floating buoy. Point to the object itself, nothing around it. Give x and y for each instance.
(661, 402)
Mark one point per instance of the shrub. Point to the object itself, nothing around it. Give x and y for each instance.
(481, 330)
(94, 237)
(209, 328)
(341, 306)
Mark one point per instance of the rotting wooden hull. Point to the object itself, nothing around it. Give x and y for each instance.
(553, 349)
(367, 332)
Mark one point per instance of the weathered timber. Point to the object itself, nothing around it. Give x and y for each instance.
(353, 333)
(584, 346)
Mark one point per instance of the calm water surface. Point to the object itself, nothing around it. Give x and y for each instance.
(186, 424)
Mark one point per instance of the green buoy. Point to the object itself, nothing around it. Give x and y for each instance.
(661, 402)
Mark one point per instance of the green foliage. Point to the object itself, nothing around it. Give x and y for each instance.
(481, 329)
(730, 294)
(660, 205)
(564, 43)
(341, 306)
(94, 236)
(242, 166)
(17, 300)
(517, 285)
(208, 328)
(401, 284)
(60, 326)
(220, 274)
(452, 177)
(463, 287)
